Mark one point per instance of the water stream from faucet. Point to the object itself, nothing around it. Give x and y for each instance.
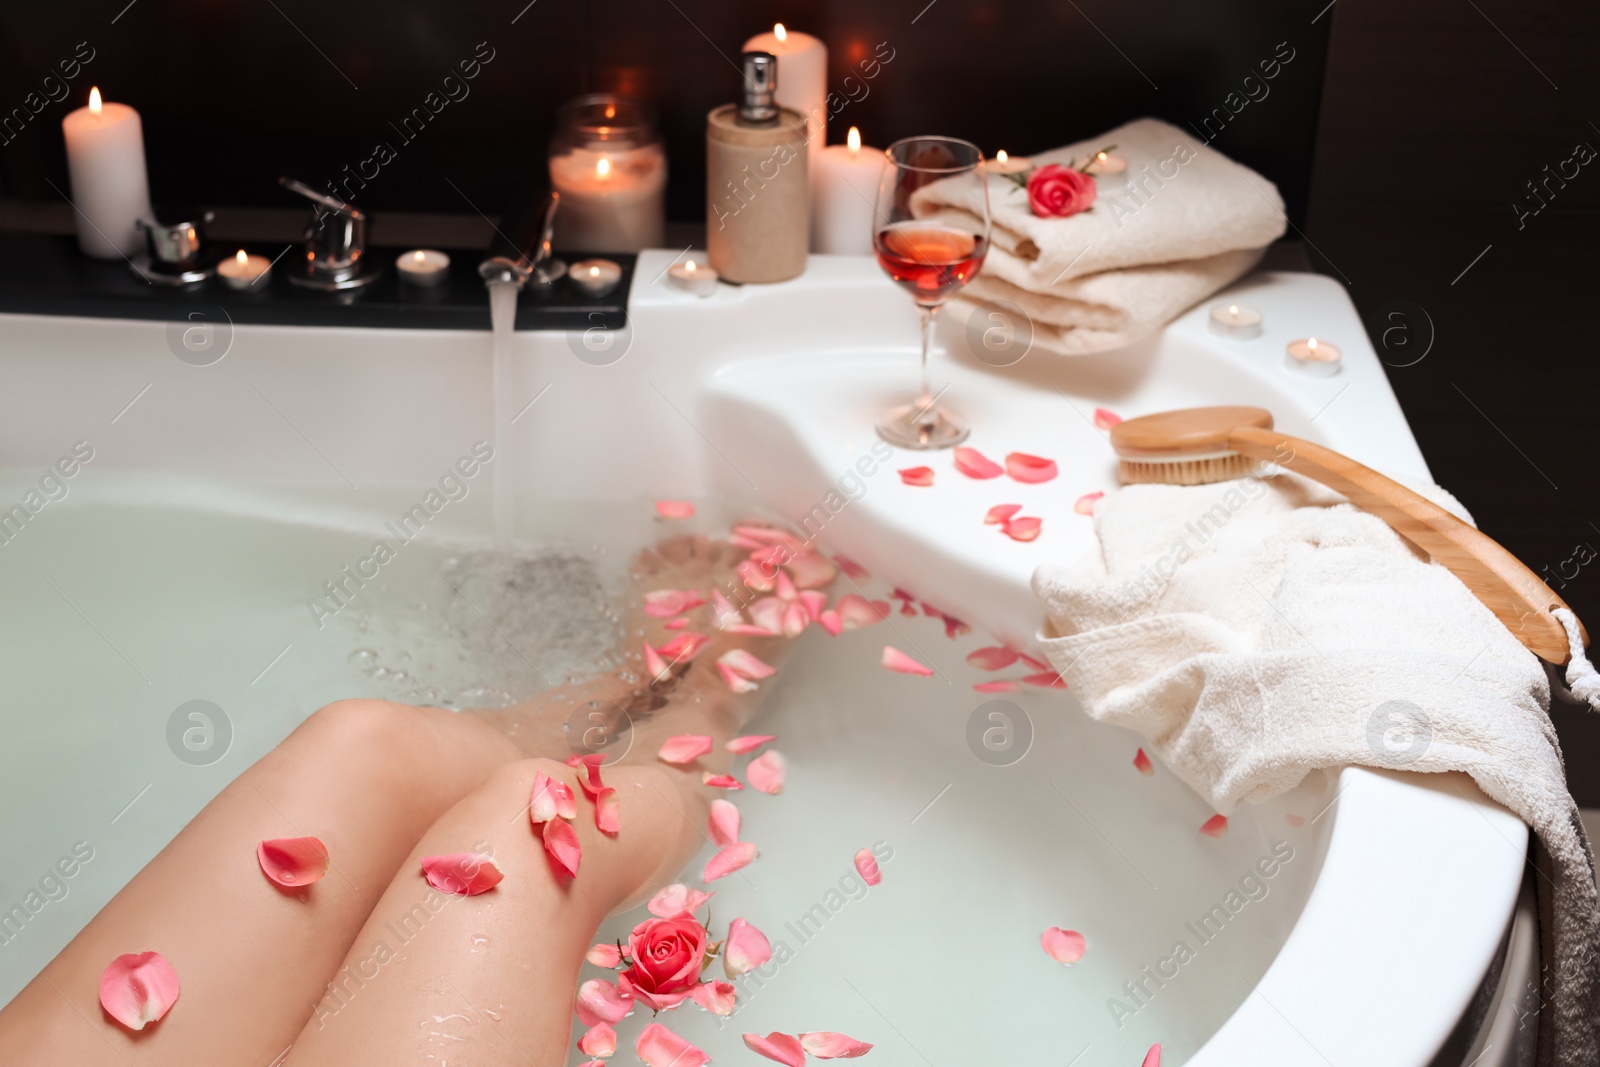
(503, 318)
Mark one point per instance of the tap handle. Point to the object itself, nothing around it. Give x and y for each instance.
(321, 199)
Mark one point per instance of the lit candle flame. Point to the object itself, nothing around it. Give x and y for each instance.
(242, 259)
(1233, 310)
(94, 101)
(602, 169)
(418, 256)
(1311, 344)
(611, 111)
(1101, 156)
(689, 266)
(779, 32)
(1000, 156)
(853, 139)
(594, 272)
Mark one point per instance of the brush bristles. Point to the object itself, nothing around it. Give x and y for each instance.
(1185, 471)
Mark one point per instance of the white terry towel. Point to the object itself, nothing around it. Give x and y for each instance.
(1182, 222)
(1255, 630)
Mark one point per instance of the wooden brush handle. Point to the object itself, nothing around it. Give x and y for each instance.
(1518, 598)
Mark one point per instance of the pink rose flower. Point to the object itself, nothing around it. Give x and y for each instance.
(1055, 191)
(667, 957)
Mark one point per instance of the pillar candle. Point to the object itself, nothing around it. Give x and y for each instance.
(802, 79)
(611, 201)
(844, 191)
(110, 192)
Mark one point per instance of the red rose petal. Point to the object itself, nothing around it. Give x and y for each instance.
(561, 843)
(1142, 762)
(607, 811)
(138, 988)
(917, 476)
(1033, 469)
(975, 464)
(895, 660)
(1007, 685)
(464, 874)
(1025, 528)
(720, 781)
(1104, 418)
(1216, 826)
(993, 658)
(1046, 680)
(997, 515)
(1153, 1057)
(293, 861)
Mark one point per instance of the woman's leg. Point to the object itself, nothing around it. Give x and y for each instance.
(367, 778)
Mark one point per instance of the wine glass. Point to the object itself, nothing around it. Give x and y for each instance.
(931, 258)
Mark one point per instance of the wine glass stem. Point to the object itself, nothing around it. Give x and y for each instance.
(925, 413)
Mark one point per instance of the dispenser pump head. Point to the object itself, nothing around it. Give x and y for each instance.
(758, 106)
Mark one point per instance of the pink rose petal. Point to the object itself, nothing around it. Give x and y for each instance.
(748, 743)
(997, 515)
(1142, 762)
(551, 797)
(795, 619)
(715, 997)
(1004, 685)
(784, 1048)
(1153, 1057)
(1104, 418)
(677, 900)
(867, 866)
(655, 668)
(917, 475)
(1036, 664)
(590, 766)
(722, 610)
(829, 620)
(1045, 680)
(734, 680)
(895, 660)
(684, 748)
(812, 570)
(659, 1047)
(686, 646)
(138, 988)
(830, 1046)
(464, 874)
(1025, 468)
(1025, 528)
(676, 624)
(954, 627)
(1084, 505)
(665, 603)
(724, 823)
(293, 861)
(599, 1040)
(770, 535)
(746, 949)
(1216, 826)
(561, 843)
(720, 781)
(730, 859)
(768, 613)
(993, 658)
(975, 464)
(1063, 946)
(607, 811)
(766, 772)
(600, 1001)
(814, 602)
(743, 663)
(754, 577)
(855, 570)
(907, 601)
(784, 586)
(604, 956)
(857, 611)
(675, 509)
(593, 1063)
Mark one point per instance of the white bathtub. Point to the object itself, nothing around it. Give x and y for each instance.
(220, 498)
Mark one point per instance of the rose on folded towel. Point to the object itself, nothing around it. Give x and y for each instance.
(1055, 191)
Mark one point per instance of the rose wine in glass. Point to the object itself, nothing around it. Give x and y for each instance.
(930, 251)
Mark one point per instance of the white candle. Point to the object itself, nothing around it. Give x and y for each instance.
(1235, 322)
(595, 277)
(844, 190)
(243, 271)
(693, 277)
(611, 200)
(110, 191)
(1106, 163)
(423, 266)
(802, 79)
(1007, 164)
(1311, 356)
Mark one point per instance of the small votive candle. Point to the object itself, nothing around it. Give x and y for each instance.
(1313, 357)
(693, 277)
(1005, 164)
(243, 271)
(425, 267)
(1106, 163)
(1235, 322)
(595, 277)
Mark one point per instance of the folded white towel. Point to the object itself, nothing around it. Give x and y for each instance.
(1182, 222)
(1258, 629)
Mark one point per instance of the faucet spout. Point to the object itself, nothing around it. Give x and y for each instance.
(521, 252)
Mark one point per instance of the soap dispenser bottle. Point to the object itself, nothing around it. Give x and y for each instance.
(758, 203)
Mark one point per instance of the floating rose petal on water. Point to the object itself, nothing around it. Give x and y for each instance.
(720, 781)
(812, 570)
(814, 602)
(895, 660)
(1084, 505)
(851, 567)
(734, 680)
(954, 627)
(561, 843)
(1142, 762)
(293, 861)
(795, 619)
(784, 586)
(723, 823)
(715, 997)
(754, 577)
(659, 1047)
(825, 1045)
(992, 658)
(686, 646)
(607, 811)
(1063, 946)
(1025, 468)
(857, 611)
(748, 743)
(675, 509)
(997, 515)
(598, 1040)
(1153, 1057)
(655, 668)
(684, 748)
(1004, 685)
(907, 601)
(743, 662)
(138, 988)
(604, 956)
(677, 900)
(600, 1001)
(975, 464)
(766, 772)
(746, 949)
(768, 613)
(723, 613)
(829, 620)
(676, 624)
(1216, 826)
(1046, 680)
(551, 798)
(1024, 528)
(464, 874)
(730, 859)
(665, 603)
(867, 866)
(917, 475)
(785, 1048)
(1294, 820)
(770, 535)
(1104, 418)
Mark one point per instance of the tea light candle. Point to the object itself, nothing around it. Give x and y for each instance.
(595, 277)
(243, 271)
(844, 188)
(611, 201)
(802, 79)
(1106, 163)
(423, 266)
(693, 277)
(110, 191)
(1007, 164)
(1235, 322)
(1314, 357)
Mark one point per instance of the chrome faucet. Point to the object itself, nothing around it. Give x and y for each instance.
(333, 257)
(525, 256)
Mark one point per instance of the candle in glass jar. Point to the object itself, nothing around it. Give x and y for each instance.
(607, 162)
(802, 79)
(110, 191)
(844, 188)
